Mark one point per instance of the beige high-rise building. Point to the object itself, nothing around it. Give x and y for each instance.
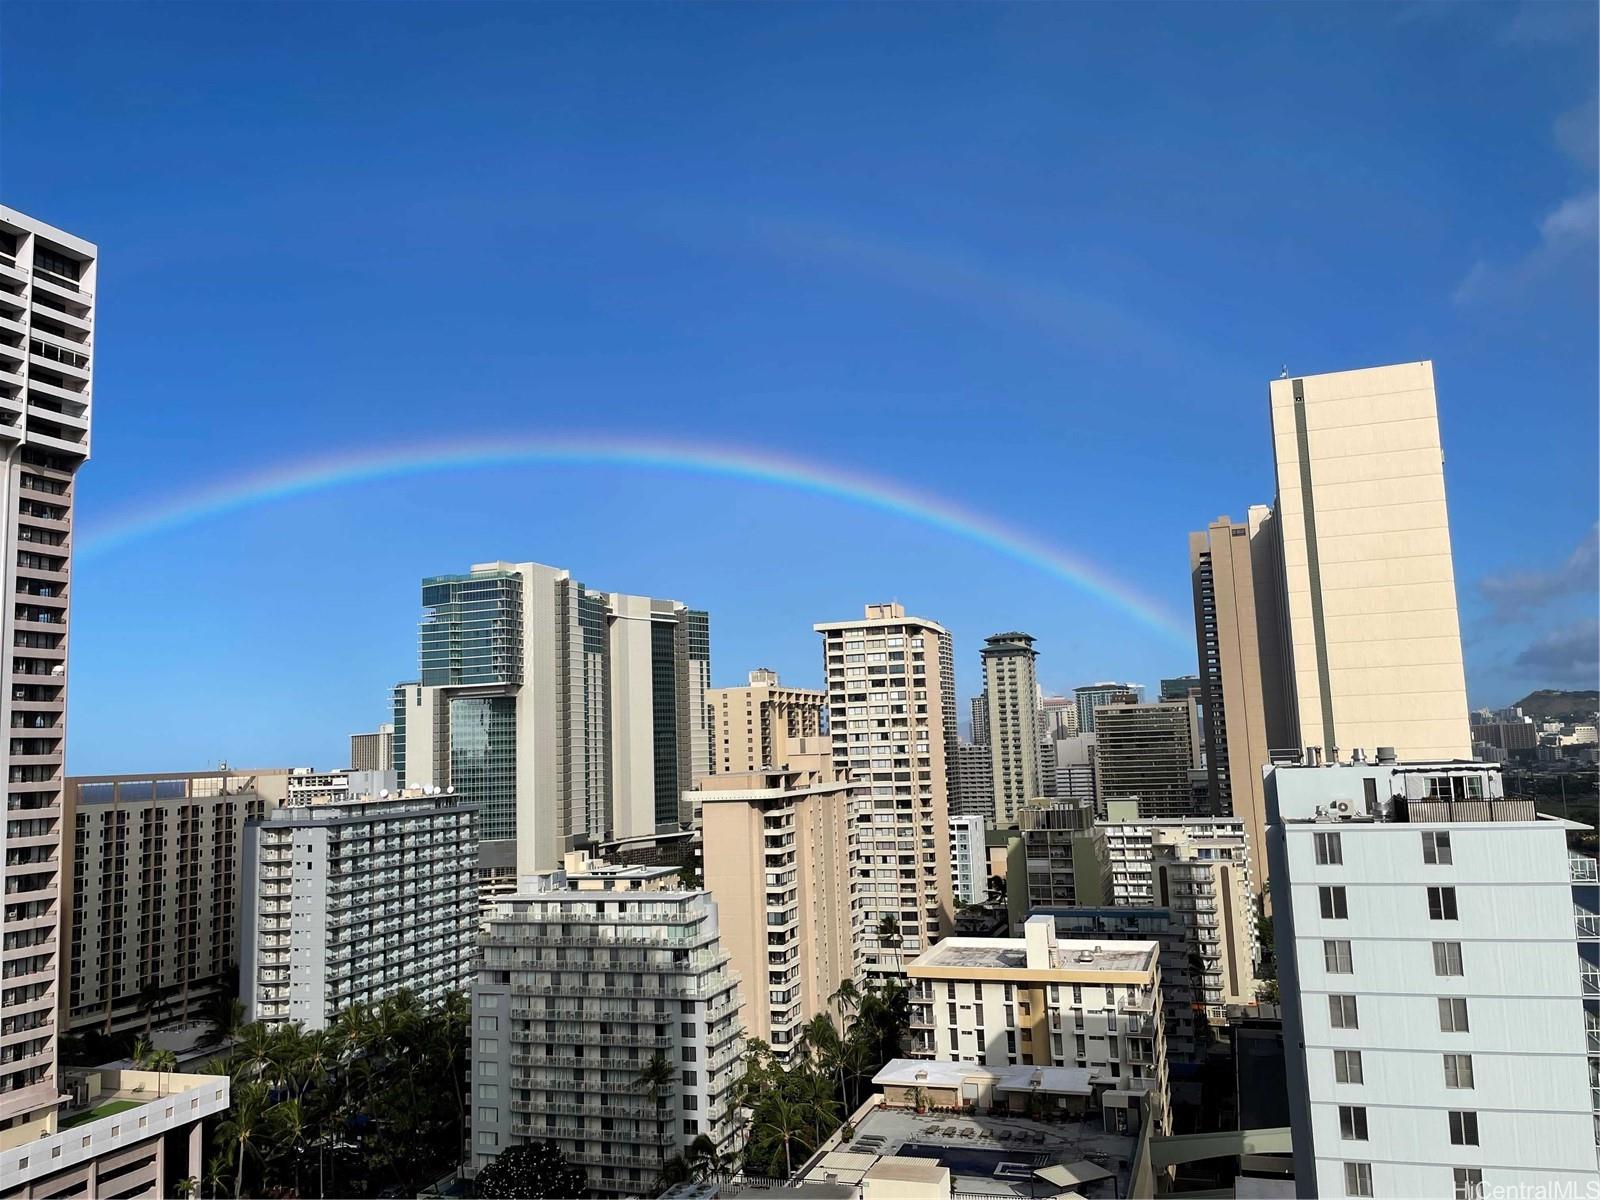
(1240, 636)
(755, 726)
(1011, 690)
(150, 914)
(777, 858)
(892, 723)
(47, 282)
(1373, 626)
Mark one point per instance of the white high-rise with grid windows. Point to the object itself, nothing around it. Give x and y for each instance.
(1432, 985)
(892, 723)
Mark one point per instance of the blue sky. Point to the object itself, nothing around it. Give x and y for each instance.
(1039, 261)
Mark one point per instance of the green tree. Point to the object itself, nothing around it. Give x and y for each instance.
(242, 1129)
(889, 936)
(533, 1171)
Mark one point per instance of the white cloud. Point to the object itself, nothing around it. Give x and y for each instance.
(1515, 594)
(1567, 237)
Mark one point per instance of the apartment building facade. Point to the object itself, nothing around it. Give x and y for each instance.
(1044, 1001)
(754, 726)
(48, 279)
(969, 860)
(1368, 573)
(1059, 850)
(1431, 984)
(373, 751)
(776, 851)
(1011, 690)
(1147, 751)
(972, 789)
(352, 899)
(560, 711)
(892, 724)
(1091, 696)
(150, 909)
(589, 976)
(1200, 869)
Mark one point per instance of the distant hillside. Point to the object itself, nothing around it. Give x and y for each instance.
(1558, 706)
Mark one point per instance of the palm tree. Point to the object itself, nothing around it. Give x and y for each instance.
(846, 998)
(889, 936)
(786, 1121)
(252, 1053)
(654, 1078)
(243, 1127)
(143, 1051)
(287, 1122)
(702, 1159)
(162, 1062)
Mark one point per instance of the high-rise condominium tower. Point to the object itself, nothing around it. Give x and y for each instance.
(558, 710)
(1147, 751)
(1011, 686)
(892, 722)
(47, 284)
(1236, 572)
(980, 720)
(1092, 695)
(756, 726)
(1369, 580)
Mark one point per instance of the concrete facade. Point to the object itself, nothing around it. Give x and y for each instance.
(150, 911)
(1011, 692)
(589, 974)
(892, 724)
(969, 860)
(753, 727)
(777, 858)
(1047, 1002)
(972, 790)
(1431, 984)
(1147, 751)
(47, 283)
(351, 900)
(1090, 696)
(1368, 573)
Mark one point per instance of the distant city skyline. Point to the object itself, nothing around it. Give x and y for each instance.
(641, 261)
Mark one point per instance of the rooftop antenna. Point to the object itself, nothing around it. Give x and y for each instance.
(1285, 373)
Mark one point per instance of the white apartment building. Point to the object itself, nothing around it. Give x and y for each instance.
(1011, 692)
(892, 723)
(969, 860)
(47, 283)
(1042, 1001)
(589, 975)
(1200, 869)
(1431, 984)
(352, 899)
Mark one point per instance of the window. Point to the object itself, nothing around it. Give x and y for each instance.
(1329, 852)
(1336, 957)
(1347, 1066)
(1342, 1012)
(1436, 848)
(1447, 958)
(1463, 1129)
(1442, 903)
(1458, 1070)
(1468, 1183)
(1358, 1179)
(1353, 1123)
(1334, 905)
(1453, 1014)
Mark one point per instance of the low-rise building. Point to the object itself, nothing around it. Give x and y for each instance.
(118, 1134)
(605, 1021)
(354, 898)
(1047, 1002)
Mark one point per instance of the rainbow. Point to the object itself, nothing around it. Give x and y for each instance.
(305, 477)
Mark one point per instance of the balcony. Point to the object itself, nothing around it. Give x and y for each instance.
(1583, 870)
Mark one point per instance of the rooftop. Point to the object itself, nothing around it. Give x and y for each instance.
(1081, 956)
(986, 1155)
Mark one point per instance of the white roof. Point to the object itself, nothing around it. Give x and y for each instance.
(917, 1072)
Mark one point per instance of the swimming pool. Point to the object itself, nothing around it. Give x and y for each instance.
(975, 1160)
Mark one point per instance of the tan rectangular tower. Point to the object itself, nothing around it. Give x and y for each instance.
(1370, 585)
